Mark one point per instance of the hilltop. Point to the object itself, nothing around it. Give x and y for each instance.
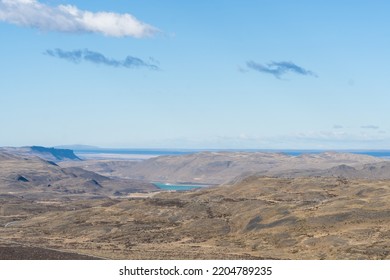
(223, 167)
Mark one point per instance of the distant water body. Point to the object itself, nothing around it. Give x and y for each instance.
(385, 154)
(164, 152)
(173, 187)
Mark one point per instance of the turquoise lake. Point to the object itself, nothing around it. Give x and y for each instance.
(171, 187)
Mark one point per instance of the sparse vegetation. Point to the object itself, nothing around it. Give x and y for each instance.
(254, 217)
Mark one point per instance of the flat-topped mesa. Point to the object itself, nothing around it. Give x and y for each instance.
(58, 154)
(49, 154)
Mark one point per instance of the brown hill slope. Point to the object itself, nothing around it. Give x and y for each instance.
(35, 177)
(222, 167)
(301, 218)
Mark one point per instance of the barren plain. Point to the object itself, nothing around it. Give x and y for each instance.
(331, 206)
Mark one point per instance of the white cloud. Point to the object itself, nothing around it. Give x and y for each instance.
(68, 18)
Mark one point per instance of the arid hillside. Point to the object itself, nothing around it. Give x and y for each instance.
(259, 217)
(36, 178)
(222, 167)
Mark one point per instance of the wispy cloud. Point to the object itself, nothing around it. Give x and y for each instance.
(369, 127)
(77, 56)
(337, 126)
(279, 69)
(68, 18)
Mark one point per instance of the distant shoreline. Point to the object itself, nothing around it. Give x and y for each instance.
(114, 156)
(142, 154)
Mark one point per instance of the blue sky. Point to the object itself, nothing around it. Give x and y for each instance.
(195, 74)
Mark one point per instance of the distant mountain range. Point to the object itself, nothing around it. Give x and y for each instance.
(223, 167)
